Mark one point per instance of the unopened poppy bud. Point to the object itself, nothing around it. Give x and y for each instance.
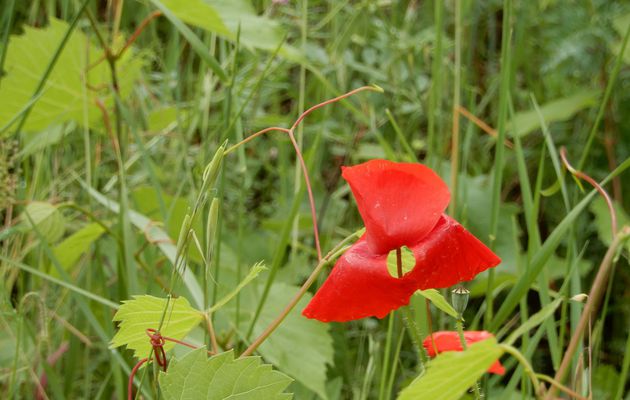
(212, 169)
(459, 298)
(211, 226)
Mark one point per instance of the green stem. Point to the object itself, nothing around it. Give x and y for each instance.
(526, 366)
(298, 296)
(462, 339)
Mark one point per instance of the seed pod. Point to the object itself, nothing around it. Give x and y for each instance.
(183, 233)
(212, 169)
(211, 226)
(459, 299)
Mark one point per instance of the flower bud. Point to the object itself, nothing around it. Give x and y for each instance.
(459, 299)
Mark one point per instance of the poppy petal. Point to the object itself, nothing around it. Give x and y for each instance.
(359, 286)
(444, 341)
(400, 203)
(448, 255)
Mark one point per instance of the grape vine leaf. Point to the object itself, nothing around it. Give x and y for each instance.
(71, 86)
(144, 312)
(450, 374)
(195, 376)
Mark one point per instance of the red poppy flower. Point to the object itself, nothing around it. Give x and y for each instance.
(449, 341)
(401, 204)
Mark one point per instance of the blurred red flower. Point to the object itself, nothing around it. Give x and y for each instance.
(449, 341)
(401, 204)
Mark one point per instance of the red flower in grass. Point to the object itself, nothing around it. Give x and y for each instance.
(401, 204)
(449, 341)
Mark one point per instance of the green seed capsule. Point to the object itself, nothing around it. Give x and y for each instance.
(459, 299)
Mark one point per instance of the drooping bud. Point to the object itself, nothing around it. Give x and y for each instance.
(459, 299)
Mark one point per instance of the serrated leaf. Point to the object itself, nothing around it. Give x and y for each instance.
(300, 347)
(144, 312)
(438, 300)
(561, 109)
(450, 374)
(221, 377)
(71, 248)
(65, 94)
(46, 217)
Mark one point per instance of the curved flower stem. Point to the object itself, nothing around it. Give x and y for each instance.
(254, 136)
(298, 296)
(595, 184)
(462, 339)
(538, 389)
(408, 321)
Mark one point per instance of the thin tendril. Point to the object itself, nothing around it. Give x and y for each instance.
(597, 186)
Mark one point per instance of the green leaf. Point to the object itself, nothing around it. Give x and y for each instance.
(71, 248)
(408, 261)
(450, 374)
(224, 17)
(47, 218)
(144, 312)
(534, 321)
(556, 110)
(65, 94)
(438, 300)
(195, 376)
(311, 337)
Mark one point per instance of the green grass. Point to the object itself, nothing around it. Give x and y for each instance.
(207, 81)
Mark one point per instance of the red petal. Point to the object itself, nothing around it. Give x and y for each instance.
(399, 202)
(359, 286)
(448, 255)
(449, 341)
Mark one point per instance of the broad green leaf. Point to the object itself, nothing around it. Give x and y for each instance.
(47, 218)
(450, 374)
(533, 321)
(224, 17)
(71, 248)
(300, 347)
(556, 110)
(144, 312)
(438, 300)
(408, 261)
(66, 94)
(253, 273)
(221, 377)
